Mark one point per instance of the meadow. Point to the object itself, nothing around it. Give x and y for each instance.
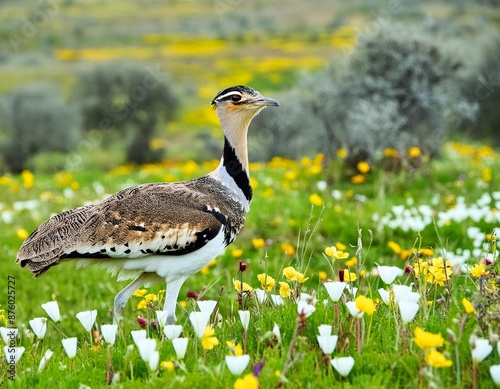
(314, 252)
(380, 275)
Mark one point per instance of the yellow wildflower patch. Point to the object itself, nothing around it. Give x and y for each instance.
(425, 340)
(267, 282)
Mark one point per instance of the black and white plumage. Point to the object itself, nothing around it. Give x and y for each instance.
(161, 231)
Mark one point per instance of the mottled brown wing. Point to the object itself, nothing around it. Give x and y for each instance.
(169, 219)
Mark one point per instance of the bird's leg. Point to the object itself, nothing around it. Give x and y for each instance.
(123, 296)
(173, 288)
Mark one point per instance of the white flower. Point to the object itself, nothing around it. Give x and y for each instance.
(408, 310)
(207, 305)
(495, 373)
(245, 319)
(8, 334)
(48, 354)
(69, 345)
(236, 364)
(482, 348)
(325, 330)
(146, 348)
(306, 297)
(343, 365)
(138, 335)
(386, 296)
(404, 293)
(87, 318)
(13, 354)
(335, 289)
(353, 309)
(108, 332)
(199, 321)
(304, 308)
(389, 273)
(180, 346)
(172, 331)
(261, 295)
(352, 290)
(161, 316)
(276, 332)
(153, 360)
(52, 310)
(277, 299)
(327, 343)
(39, 326)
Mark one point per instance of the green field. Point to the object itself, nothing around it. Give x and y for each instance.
(428, 211)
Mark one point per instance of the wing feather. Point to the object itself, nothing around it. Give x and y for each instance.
(169, 219)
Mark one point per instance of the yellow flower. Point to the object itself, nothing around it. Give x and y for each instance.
(427, 252)
(140, 292)
(336, 254)
(340, 246)
(349, 277)
(420, 267)
(316, 200)
(236, 253)
(149, 301)
(167, 365)
(414, 152)
(351, 262)
(288, 249)
(390, 152)
(28, 179)
(267, 282)
(208, 340)
(284, 289)
(323, 275)
(358, 179)
(300, 278)
(363, 167)
(436, 359)
(365, 304)
(469, 308)
(22, 233)
(258, 243)
(478, 270)
(249, 381)
(394, 247)
(424, 339)
(242, 286)
(486, 175)
(234, 348)
(342, 153)
(290, 273)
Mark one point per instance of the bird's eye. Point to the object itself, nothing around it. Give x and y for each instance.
(235, 98)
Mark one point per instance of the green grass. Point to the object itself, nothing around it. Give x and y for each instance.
(281, 213)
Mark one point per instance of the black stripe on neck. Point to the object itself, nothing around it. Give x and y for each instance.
(234, 168)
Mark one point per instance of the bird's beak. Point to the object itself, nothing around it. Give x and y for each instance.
(266, 101)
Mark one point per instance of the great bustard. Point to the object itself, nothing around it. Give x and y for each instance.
(159, 232)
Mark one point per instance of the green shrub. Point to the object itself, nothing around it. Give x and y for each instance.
(395, 90)
(127, 97)
(37, 121)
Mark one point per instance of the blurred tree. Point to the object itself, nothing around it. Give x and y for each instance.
(483, 86)
(126, 95)
(397, 89)
(37, 121)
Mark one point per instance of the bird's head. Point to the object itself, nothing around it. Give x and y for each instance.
(240, 103)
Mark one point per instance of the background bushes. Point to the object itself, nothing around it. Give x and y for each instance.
(396, 90)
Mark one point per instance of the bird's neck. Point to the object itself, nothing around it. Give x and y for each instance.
(233, 168)
(234, 163)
